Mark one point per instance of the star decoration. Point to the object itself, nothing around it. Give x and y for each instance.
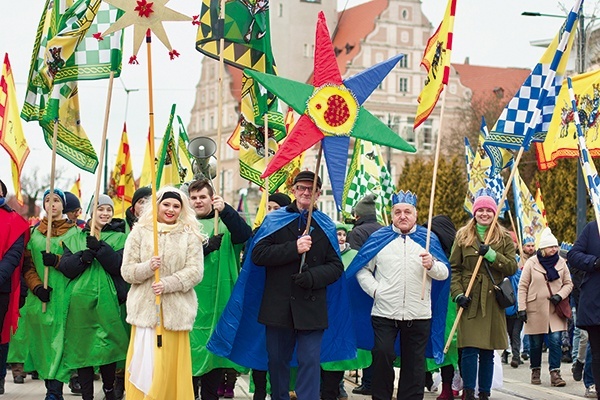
(144, 16)
(331, 111)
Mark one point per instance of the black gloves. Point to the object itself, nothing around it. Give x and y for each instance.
(214, 243)
(42, 293)
(92, 243)
(49, 259)
(87, 256)
(555, 299)
(303, 279)
(597, 263)
(483, 248)
(522, 315)
(463, 301)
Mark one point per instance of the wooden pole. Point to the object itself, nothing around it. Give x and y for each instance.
(432, 196)
(517, 233)
(51, 196)
(217, 187)
(480, 259)
(266, 185)
(159, 327)
(312, 201)
(102, 153)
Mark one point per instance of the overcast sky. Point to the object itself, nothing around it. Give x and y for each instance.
(488, 32)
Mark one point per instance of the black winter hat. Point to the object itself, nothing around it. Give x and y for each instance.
(139, 194)
(281, 198)
(307, 176)
(72, 203)
(366, 206)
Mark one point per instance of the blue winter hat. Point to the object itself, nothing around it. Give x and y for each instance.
(528, 240)
(59, 193)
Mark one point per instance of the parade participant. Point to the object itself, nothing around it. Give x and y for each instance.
(365, 223)
(151, 371)
(73, 209)
(278, 200)
(222, 263)
(514, 325)
(140, 198)
(542, 273)
(94, 333)
(393, 277)
(37, 328)
(482, 327)
(14, 236)
(294, 304)
(528, 251)
(585, 255)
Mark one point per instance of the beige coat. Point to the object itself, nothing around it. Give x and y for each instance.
(182, 268)
(534, 296)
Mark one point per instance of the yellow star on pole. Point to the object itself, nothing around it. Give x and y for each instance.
(144, 15)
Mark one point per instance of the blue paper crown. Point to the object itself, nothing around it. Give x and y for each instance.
(407, 197)
(528, 239)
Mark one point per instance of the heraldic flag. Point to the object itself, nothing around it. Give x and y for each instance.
(11, 129)
(561, 141)
(436, 60)
(122, 182)
(527, 116)
(246, 32)
(529, 216)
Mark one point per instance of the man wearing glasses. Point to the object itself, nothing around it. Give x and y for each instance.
(298, 268)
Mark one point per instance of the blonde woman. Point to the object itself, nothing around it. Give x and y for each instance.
(543, 273)
(482, 328)
(154, 372)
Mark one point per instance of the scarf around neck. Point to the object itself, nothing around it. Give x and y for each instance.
(549, 264)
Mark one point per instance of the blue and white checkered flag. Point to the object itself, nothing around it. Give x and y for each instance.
(527, 116)
(592, 180)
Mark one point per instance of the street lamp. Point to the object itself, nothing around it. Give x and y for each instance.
(581, 43)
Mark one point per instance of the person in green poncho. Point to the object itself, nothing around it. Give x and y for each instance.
(94, 332)
(39, 341)
(221, 267)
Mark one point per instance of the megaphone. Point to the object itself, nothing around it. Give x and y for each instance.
(202, 148)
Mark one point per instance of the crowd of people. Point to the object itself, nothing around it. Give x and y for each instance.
(180, 296)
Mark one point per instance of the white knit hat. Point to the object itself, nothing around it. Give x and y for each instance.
(547, 239)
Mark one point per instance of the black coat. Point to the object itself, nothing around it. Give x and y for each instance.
(284, 303)
(363, 228)
(582, 256)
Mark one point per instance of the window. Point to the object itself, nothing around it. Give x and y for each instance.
(404, 37)
(403, 85)
(212, 122)
(306, 50)
(452, 88)
(280, 13)
(380, 86)
(408, 133)
(403, 63)
(427, 134)
(202, 125)
(311, 1)
(404, 14)
(203, 97)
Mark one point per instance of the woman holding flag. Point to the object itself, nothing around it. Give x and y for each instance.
(162, 371)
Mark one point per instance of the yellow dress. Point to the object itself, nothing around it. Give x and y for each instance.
(172, 368)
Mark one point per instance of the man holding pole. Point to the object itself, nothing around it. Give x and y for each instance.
(221, 266)
(298, 268)
(392, 261)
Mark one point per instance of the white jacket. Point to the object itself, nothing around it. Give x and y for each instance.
(182, 268)
(394, 278)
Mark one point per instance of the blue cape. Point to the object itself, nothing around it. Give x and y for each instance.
(239, 336)
(362, 303)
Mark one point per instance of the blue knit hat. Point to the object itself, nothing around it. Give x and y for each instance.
(59, 193)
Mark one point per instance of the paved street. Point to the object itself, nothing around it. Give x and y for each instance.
(516, 386)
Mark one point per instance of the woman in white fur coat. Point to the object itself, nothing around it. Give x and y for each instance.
(152, 371)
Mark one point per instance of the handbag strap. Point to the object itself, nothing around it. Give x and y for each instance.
(487, 268)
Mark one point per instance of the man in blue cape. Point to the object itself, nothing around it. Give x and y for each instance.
(389, 268)
(279, 302)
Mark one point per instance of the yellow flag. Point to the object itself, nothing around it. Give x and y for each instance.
(146, 176)
(122, 182)
(561, 140)
(540, 203)
(262, 209)
(76, 188)
(436, 60)
(11, 130)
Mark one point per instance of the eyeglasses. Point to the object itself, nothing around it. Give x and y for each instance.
(302, 188)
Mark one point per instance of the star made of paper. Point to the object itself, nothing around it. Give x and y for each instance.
(144, 15)
(331, 111)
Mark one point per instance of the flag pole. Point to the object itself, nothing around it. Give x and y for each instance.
(517, 233)
(266, 136)
(312, 201)
(220, 105)
(49, 213)
(111, 80)
(159, 327)
(487, 237)
(433, 184)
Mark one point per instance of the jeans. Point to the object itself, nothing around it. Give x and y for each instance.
(588, 376)
(526, 347)
(514, 326)
(473, 360)
(554, 350)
